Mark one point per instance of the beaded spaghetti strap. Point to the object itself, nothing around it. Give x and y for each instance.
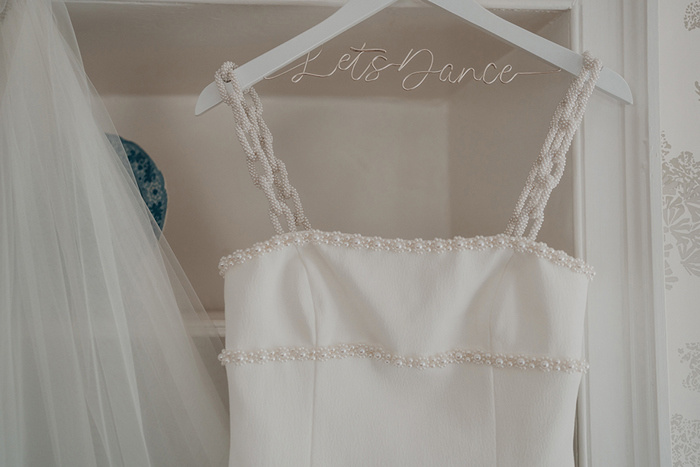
(256, 140)
(549, 166)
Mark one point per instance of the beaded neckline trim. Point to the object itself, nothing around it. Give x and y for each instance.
(440, 360)
(418, 246)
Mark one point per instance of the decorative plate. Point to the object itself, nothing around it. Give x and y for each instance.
(149, 179)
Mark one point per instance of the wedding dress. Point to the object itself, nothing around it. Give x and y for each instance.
(106, 355)
(346, 350)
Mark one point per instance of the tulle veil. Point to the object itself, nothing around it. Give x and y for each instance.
(106, 355)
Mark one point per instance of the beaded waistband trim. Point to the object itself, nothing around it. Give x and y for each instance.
(418, 246)
(440, 360)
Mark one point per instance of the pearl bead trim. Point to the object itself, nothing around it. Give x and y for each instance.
(440, 360)
(256, 141)
(549, 165)
(419, 246)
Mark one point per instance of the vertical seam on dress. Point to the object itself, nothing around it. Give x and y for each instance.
(493, 384)
(313, 394)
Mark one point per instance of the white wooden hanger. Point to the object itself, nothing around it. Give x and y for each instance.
(356, 11)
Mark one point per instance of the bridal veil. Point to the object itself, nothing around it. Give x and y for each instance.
(106, 355)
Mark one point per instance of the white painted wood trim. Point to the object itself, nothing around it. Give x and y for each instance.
(217, 319)
(656, 213)
(623, 408)
(549, 5)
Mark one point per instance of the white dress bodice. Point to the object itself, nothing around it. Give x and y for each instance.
(344, 350)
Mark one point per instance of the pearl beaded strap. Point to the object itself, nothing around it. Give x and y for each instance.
(440, 360)
(256, 139)
(549, 166)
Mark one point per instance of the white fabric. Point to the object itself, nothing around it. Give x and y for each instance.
(366, 412)
(413, 299)
(106, 357)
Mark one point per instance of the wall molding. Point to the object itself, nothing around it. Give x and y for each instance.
(623, 410)
(219, 322)
(547, 5)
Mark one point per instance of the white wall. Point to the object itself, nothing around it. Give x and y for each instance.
(378, 166)
(375, 166)
(441, 161)
(680, 125)
(496, 133)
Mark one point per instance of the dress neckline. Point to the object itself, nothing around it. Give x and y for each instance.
(401, 245)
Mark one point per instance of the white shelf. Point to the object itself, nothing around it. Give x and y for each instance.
(491, 4)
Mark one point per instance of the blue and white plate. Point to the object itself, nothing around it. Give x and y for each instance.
(149, 179)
